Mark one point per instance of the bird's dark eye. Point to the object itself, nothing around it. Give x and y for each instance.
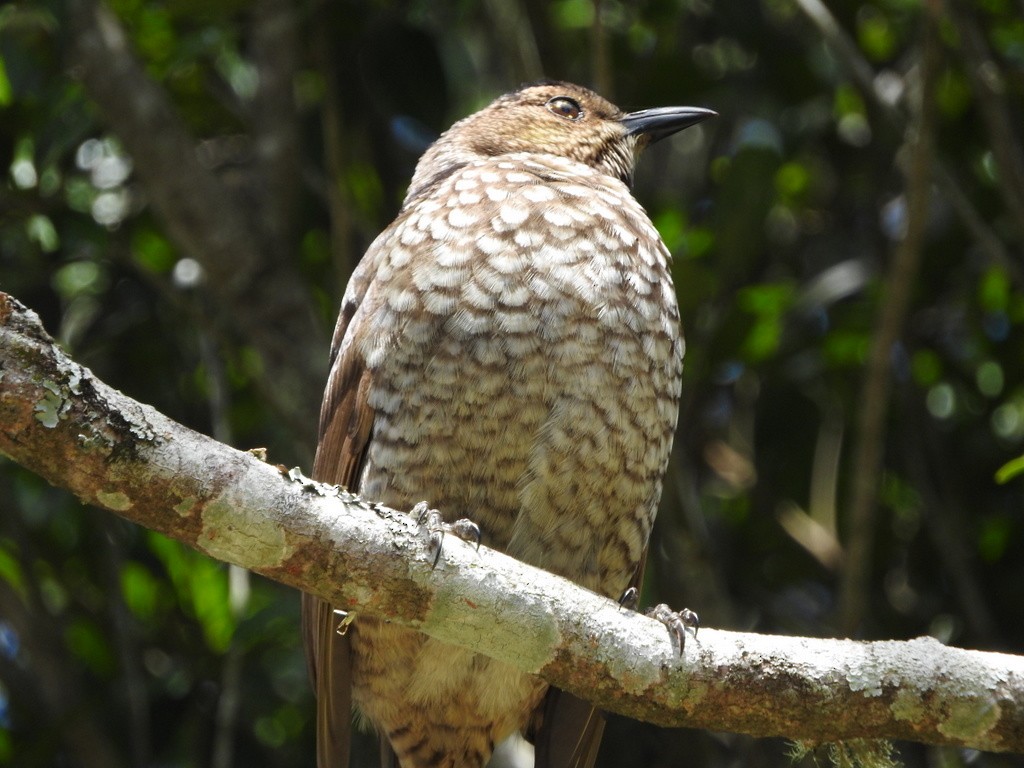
(565, 107)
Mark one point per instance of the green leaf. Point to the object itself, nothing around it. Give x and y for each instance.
(40, 229)
(79, 277)
(153, 251)
(284, 724)
(952, 93)
(10, 569)
(5, 85)
(697, 241)
(768, 303)
(875, 34)
(671, 224)
(202, 588)
(926, 367)
(316, 247)
(572, 14)
(1010, 470)
(792, 180)
(211, 604)
(767, 299)
(994, 537)
(6, 748)
(365, 187)
(89, 644)
(990, 378)
(140, 590)
(763, 340)
(848, 101)
(994, 290)
(844, 348)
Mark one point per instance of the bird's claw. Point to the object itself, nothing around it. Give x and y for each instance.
(345, 619)
(630, 598)
(677, 622)
(436, 528)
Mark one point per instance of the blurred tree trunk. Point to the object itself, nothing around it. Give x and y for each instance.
(239, 230)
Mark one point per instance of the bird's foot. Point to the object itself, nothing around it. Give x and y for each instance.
(678, 622)
(436, 528)
(344, 619)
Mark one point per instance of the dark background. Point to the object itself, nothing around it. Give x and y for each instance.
(193, 254)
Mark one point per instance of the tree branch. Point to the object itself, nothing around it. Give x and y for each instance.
(61, 422)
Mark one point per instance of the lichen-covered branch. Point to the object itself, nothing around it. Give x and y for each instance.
(61, 422)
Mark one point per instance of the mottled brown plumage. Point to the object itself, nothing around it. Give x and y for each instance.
(509, 350)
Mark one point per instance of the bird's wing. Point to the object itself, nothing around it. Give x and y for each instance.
(330, 667)
(570, 729)
(346, 422)
(570, 732)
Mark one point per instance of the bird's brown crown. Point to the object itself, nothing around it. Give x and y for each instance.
(551, 118)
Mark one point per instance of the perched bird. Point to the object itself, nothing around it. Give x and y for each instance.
(509, 350)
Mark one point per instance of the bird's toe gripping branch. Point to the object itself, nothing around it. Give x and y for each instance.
(436, 528)
(678, 622)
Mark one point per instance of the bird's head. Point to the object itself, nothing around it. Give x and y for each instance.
(555, 118)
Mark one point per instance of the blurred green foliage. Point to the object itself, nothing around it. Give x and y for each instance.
(119, 647)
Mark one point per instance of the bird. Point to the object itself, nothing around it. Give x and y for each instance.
(508, 349)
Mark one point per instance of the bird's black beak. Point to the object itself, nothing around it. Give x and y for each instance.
(660, 122)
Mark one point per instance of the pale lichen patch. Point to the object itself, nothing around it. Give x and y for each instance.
(115, 500)
(970, 718)
(866, 680)
(93, 440)
(184, 507)
(48, 410)
(251, 540)
(907, 705)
